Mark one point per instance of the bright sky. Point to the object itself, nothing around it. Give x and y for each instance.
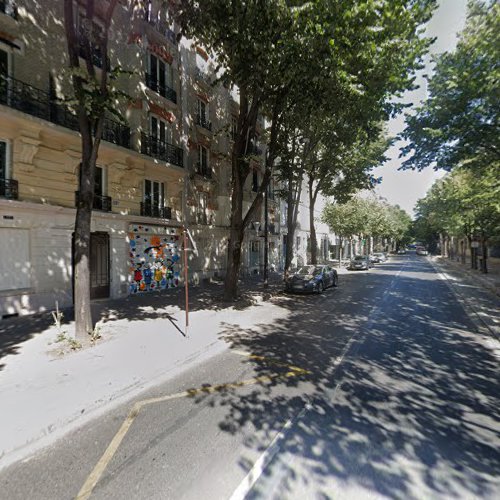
(404, 188)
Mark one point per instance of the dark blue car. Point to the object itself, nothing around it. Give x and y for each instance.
(312, 279)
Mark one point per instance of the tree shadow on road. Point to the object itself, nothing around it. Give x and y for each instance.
(412, 411)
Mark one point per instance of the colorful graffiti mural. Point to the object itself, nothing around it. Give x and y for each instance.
(154, 258)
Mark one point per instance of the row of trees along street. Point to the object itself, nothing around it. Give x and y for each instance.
(368, 219)
(457, 130)
(326, 74)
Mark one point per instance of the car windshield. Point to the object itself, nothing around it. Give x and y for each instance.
(309, 270)
(359, 257)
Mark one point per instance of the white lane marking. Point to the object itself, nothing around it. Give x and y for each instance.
(258, 468)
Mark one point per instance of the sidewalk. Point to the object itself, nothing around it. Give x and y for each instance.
(480, 293)
(490, 280)
(44, 394)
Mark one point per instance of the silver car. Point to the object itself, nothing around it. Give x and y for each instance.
(360, 262)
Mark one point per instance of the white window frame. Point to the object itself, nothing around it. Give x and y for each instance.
(168, 128)
(202, 105)
(203, 168)
(162, 190)
(169, 71)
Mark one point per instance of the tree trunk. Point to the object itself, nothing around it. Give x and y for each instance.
(313, 195)
(240, 171)
(484, 263)
(293, 201)
(91, 122)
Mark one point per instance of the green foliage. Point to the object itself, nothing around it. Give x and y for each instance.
(464, 203)
(366, 217)
(459, 123)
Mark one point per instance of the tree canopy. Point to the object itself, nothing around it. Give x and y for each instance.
(459, 122)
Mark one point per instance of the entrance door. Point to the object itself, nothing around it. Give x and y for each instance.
(254, 253)
(99, 265)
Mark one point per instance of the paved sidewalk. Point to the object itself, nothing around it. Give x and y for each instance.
(479, 293)
(44, 394)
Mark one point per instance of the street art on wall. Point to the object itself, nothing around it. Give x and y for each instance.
(154, 258)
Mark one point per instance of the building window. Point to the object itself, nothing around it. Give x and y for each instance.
(148, 11)
(154, 193)
(202, 216)
(4, 174)
(92, 32)
(234, 128)
(100, 187)
(298, 242)
(255, 181)
(254, 246)
(4, 62)
(160, 77)
(202, 114)
(160, 130)
(203, 167)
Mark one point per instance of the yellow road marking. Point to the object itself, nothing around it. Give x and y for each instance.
(112, 448)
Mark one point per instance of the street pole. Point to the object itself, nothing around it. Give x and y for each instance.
(266, 240)
(186, 287)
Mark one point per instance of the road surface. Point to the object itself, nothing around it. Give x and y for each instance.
(381, 388)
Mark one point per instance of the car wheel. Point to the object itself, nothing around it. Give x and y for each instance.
(321, 287)
(336, 280)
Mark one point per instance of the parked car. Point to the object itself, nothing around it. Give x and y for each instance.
(381, 256)
(401, 251)
(312, 279)
(373, 259)
(422, 251)
(360, 262)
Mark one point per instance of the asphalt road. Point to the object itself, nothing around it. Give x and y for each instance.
(381, 388)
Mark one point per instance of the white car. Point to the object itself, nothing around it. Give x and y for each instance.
(421, 251)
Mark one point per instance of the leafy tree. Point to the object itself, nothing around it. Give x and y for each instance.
(459, 123)
(305, 53)
(463, 204)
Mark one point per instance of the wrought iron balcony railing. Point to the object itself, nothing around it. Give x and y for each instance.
(150, 210)
(164, 151)
(164, 90)
(203, 122)
(116, 133)
(9, 189)
(204, 170)
(36, 102)
(102, 203)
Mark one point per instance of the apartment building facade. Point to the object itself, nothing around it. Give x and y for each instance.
(167, 165)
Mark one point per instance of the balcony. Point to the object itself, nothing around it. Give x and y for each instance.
(9, 8)
(164, 90)
(204, 170)
(163, 151)
(203, 122)
(116, 133)
(9, 189)
(35, 102)
(101, 203)
(149, 210)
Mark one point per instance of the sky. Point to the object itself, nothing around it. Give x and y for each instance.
(404, 188)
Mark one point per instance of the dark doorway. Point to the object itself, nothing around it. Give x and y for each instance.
(99, 265)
